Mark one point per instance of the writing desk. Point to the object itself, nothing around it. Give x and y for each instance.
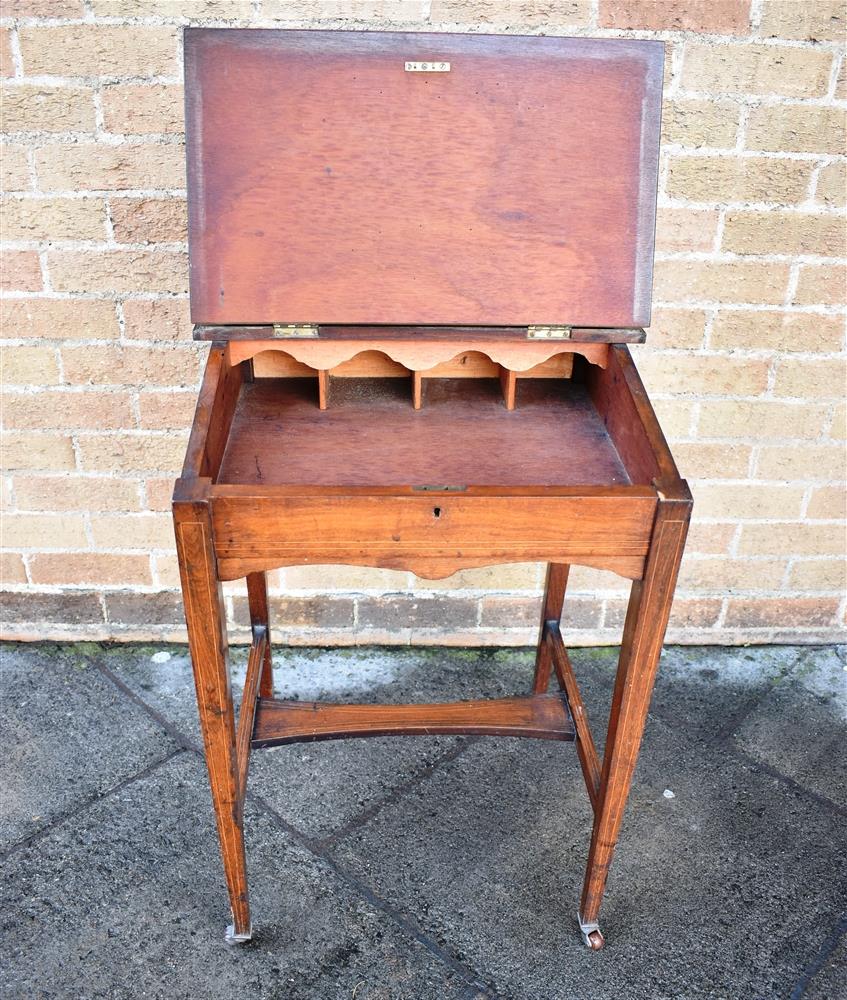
(419, 260)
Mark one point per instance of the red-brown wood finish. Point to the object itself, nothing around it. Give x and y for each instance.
(329, 185)
(542, 716)
(423, 221)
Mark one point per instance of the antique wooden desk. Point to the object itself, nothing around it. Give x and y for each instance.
(419, 259)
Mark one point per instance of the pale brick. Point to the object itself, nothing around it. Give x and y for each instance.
(118, 270)
(800, 539)
(709, 539)
(127, 453)
(777, 331)
(12, 569)
(699, 613)
(841, 82)
(743, 501)
(195, 10)
(344, 578)
(99, 50)
(68, 410)
(707, 375)
(133, 531)
(809, 461)
(131, 365)
(712, 461)
(167, 570)
(43, 8)
(95, 167)
(794, 128)
(674, 415)
(838, 430)
(810, 379)
(20, 271)
(821, 284)
(685, 229)
(66, 319)
(162, 319)
(44, 531)
(819, 574)
(730, 418)
(94, 568)
(159, 493)
(755, 282)
(52, 219)
(39, 108)
(832, 185)
(149, 220)
(828, 503)
(784, 612)
(515, 576)
(166, 410)
(14, 168)
(37, 451)
(727, 575)
(544, 13)
(677, 328)
(756, 69)
(751, 232)
(133, 109)
(695, 123)
(30, 366)
(7, 65)
(722, 179)
(713, 17)
(82, 493)
(805, 20)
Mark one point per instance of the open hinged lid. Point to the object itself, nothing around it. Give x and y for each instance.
(382, 178)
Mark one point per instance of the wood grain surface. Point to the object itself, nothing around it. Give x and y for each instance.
(328, 185)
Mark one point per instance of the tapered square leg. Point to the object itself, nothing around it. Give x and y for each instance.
(644, 632)
(257, 599)
(551, 608)
(204, 616)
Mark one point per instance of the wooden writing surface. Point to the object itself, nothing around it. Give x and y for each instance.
(328, 184)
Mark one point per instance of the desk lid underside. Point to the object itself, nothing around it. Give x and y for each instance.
(329, 185)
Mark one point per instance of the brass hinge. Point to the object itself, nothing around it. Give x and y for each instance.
(548, 332)
(295, 330)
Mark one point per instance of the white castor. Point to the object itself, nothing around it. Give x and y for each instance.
(590, 934)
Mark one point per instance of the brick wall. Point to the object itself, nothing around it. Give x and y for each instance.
(745, 359)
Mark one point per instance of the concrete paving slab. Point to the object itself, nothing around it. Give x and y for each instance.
(724, 890)
(128, 902)
(799, 726)
(457, 862)
(68, 735)
(321, 787)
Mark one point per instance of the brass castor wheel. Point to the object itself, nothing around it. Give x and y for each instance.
(590, 934)
(595, 940)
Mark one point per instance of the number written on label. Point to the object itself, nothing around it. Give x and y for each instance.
(427, 67)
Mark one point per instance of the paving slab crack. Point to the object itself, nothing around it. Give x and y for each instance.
(86, 803)
(791, 783)
(360, 819)
(408, 923)
(819, 961)
(316, 847)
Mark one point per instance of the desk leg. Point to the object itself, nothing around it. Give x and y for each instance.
(554, 599)
(257, 599)
(206, 621)
(644, 632)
